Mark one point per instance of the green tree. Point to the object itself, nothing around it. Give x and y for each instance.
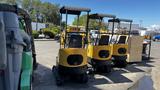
(93, 23)
(47, 11)
(51, 13)
(8, 1)
(32, 6)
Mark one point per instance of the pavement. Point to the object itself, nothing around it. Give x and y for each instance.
(137, 76)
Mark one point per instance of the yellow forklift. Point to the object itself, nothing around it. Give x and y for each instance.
(99, 46)
(120, 44)
(72, 57)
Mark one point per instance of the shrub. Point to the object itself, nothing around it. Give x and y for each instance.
(35, 34)
(51, 32)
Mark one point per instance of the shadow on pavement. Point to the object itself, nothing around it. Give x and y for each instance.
(112, 78)
(145, 63)
(44, 80)
(117, 77)
(132, 69)
(43, 77)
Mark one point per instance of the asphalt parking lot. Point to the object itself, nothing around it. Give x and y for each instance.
(139, 76)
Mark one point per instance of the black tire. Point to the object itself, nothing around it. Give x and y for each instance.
(154, 40)
(83, 78)
(59, 82)
(120, 62)
(35, 64)
(32, 78)
(58, 77)
(104, 69)
(53, 69)
(123, 64)
(108, 69)
(93, 65)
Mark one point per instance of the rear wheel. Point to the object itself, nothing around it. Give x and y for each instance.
(58, 78)
(35, 64)
(83, 78)
(53, 68)
(108, 69)
(104, 69)
(59, 82)
(120, 62)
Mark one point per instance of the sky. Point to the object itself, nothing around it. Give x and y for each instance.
(146, 12)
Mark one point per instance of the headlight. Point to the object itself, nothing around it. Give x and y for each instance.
(75, 59)
(104, 54)
(122, 50)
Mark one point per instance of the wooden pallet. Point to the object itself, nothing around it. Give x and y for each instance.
(135, 46)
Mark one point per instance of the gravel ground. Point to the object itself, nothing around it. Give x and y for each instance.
(141, 76)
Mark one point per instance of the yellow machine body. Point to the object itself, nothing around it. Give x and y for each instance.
(66, 52)
(73, 29)
(93, 51)
(118, 46)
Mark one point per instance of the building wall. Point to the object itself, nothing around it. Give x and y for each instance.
(126, 25)
(39, 26)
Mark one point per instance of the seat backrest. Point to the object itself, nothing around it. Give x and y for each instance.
(122, 40)
(104, 40)
(75, 41)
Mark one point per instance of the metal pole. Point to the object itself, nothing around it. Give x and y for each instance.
(112, 29)
(118, 27)
(150, 44)
(36, 25)
(66, 28)
(100, 23)
(66, 19)
(60, 23)
(77, 21)
(60, 29)
(98, 36)
(37, 14)
(87, 24)
(130, 29)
